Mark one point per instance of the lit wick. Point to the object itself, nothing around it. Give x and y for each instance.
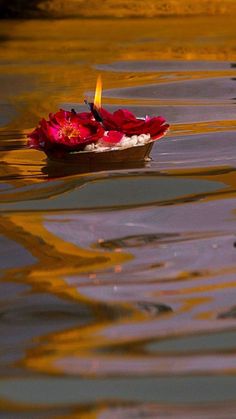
(94, 111)
(96, 105)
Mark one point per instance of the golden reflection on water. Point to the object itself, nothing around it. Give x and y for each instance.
(55, 257)
(57, 58)
(160, 270)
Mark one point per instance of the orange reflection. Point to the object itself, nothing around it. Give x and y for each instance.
(56, 258)
(137, 8)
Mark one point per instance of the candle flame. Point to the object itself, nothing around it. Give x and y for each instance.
(98, 93)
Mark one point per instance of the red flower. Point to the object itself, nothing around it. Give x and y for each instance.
(124, 121)
(67, 131)
(112, 137)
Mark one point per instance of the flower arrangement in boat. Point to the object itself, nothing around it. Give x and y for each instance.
(69, 132)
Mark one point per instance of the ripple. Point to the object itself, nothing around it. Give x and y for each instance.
(206, 89)
(165, 66)
(107, 192)
(118, 284)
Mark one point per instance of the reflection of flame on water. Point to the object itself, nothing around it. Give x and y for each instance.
(98, 93)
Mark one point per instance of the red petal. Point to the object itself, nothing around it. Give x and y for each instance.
(108, 120)
(153, 126)
(122, 115)
(112, 137)
(163, 130)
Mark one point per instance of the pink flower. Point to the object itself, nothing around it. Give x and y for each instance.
(124, 121)
(66, 131)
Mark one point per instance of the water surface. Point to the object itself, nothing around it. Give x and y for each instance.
(118, 285)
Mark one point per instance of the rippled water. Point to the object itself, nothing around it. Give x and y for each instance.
(118, 286)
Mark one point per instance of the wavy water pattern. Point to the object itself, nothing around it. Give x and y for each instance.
(119, 283)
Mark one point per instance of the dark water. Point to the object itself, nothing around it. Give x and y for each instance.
(118, 289)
